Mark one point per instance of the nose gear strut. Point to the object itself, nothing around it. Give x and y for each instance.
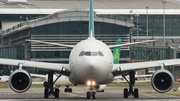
(91, 93)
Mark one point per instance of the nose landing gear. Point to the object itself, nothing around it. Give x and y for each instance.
(91, 93)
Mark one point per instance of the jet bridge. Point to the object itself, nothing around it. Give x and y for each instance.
(140, 53)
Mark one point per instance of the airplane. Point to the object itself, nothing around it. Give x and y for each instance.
(4, 78)
(91, 64)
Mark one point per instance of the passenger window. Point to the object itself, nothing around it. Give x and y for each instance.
(94, 54)
(100, 53)
(81, 54)
(87, 53)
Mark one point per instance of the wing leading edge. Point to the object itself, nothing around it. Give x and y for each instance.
(63, 68)
(51, 43)
(121, 68)
(129, 44)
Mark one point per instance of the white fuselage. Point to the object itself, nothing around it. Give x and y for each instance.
(91, 64)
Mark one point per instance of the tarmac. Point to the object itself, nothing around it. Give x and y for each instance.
(79, 93)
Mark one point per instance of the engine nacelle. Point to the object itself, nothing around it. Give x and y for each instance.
(162, 80)
(100, 88)
(20, 80)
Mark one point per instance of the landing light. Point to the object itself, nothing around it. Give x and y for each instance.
(93, 83)
(119, 69)
(90, 83)
(63, 69)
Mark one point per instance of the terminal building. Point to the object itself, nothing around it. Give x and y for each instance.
(66, 22)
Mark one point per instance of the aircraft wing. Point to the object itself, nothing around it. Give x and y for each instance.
(129, 44)
(51, 43)
(38, 75)
(121, 68)
(136, 76)
(62, 68)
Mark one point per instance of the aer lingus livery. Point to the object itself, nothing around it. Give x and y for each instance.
(90, 63)
(116, 52)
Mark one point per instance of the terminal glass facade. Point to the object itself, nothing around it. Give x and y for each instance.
(149, 53)
(79, 27)
(73, 31)
(15, 52)
(50, 54)
(155, 28)
(155, 24)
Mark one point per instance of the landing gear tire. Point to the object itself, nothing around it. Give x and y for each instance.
(131, 91)
(88, 95)
(50, 90)
(94, 95)
(46, 93)
(136, 93)
(125, 93)
(45, 84)
(56, 93)
(65, 90)
(70, 90)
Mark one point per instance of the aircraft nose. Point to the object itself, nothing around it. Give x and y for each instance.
(91, 63)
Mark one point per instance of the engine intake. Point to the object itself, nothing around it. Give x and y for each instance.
(20, 81)
(162, 80)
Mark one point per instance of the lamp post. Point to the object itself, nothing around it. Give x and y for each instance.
(164, 2)
(137, 15)
(131, 11)
(20, 18)
(131, 19)
(147, 21)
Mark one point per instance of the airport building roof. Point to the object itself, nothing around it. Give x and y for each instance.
(101, 6)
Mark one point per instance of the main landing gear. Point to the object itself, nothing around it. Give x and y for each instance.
(49, 86)
(91, 93)
(132, 92)
(67, 89)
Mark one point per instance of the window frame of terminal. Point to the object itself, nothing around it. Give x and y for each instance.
(91, 53)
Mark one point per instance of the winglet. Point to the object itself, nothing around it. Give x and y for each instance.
(91, 19)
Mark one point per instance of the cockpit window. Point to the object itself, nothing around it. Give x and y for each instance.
(81, 54)
(94, 53)
(100, 53)
(87, 53)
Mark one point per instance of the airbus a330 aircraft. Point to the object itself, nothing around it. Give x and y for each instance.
(90, 63)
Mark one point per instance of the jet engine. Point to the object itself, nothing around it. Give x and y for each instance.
(20, 80)
(100, 88)
(162, 80)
